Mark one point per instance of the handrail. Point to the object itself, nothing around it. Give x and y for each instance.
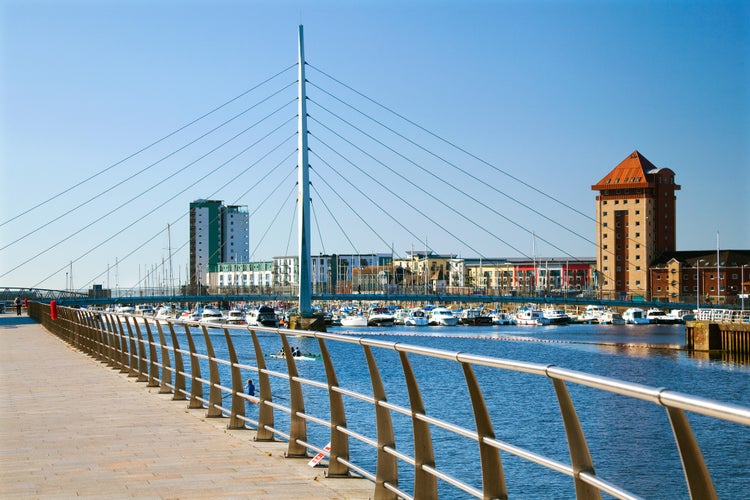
(723, 315)
(103, 336)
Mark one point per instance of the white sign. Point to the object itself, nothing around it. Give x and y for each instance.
(317, 458)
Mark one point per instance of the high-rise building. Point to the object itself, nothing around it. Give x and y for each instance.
(218, 233)
(635, 223)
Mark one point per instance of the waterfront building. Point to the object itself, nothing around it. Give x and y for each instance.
(635, 223)
(426, 270)
(218, 234)
(679, 276)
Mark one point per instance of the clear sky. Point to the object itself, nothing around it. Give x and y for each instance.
(555, 93)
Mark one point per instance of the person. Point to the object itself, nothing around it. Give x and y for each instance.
(296, 352)
(17, 303)
(250, 387)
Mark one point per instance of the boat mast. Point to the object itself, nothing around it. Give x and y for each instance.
(303, 189)
(169, 249)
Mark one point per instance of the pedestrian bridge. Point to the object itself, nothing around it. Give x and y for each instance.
(354, 423)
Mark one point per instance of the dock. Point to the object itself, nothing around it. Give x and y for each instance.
(72, 427)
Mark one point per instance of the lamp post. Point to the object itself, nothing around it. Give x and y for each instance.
(742, 285)
(698, 284)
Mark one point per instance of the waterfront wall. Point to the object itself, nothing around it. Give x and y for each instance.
(708, 336)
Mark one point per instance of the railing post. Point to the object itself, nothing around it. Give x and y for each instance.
(123, 343)
(238, 403)
(214, 393)
(493, 475)
(109, 340)
(425, 484)
(142, 366)
(196, 386)
(152, 358)
(339, 440)
(179, 368)
(265, 411)
(579, 451)
(386, 469)
(698, 477)
(166, 374)
(132, 350)
(297, 424)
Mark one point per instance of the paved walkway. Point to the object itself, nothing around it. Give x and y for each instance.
(72, 427)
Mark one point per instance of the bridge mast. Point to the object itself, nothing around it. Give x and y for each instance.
(303, 190)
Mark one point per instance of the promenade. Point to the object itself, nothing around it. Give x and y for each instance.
(73, 427)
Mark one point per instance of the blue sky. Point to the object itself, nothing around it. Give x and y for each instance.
(553, 93)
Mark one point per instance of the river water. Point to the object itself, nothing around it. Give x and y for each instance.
(631, 442)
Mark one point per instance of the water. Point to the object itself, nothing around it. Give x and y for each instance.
(631, 442)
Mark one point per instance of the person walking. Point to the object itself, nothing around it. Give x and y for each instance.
(17, 303)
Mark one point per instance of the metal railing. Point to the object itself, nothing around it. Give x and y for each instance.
(151, 351)
(723, 315)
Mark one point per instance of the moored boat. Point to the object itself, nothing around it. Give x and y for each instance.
(610, 317)
(353, 320)
(556, 316)
(442, 316)
(235, 317)
(473, 317)
(211, 316)
(417, 317)
(380, 316)
(530, 316)
(502, 318)
(658, 316)
(262, 316)
(635, 316)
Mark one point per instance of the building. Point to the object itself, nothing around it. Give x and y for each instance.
(218, 234)
(718, 277)
(635, 224)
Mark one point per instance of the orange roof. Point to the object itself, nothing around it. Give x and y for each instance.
(635, 171)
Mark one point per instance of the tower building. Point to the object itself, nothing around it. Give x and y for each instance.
(218, 233)
(635, 223)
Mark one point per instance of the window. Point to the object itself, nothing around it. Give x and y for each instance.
(637, 282)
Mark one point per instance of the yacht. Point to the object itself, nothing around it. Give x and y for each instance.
(417, 317)
(591, 314)
(211, 316)
(610, 317)
(635, 316)
(125, 309)
(351, 320)
(144, 310)
(235, 317)
(166, 312)
(556, 316)
(473, 317)
(530, 316)
(442, 316)
(380, 316)
(502, 318)
(262, 316)
(655, 315)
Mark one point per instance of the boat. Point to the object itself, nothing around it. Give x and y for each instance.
(681, 315)
(530, 316)
(399, 317)
(262, 316)
(352, 320)
(125, 310)
(417, 317)
(610, 317)
(556, 316)
(442, 316)
(211, 316)
(502, 318)
(235, 317)
(190, 316)
(380, 316)
(591, 314)
(144, 310)
(658, 316)
(635, 316)
(473, 317)
(166, 313)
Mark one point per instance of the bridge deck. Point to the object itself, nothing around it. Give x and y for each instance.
(69, 426)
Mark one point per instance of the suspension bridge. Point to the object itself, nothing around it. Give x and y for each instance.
(366, 176)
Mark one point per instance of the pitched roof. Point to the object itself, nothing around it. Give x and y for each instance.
(635, 171)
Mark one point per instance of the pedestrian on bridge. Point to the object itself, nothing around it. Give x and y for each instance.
(17, 303)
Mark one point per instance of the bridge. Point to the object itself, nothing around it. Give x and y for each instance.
(353, 165)
(389, 434)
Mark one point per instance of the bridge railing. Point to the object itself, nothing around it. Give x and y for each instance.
(723, 315)
(155, 352)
